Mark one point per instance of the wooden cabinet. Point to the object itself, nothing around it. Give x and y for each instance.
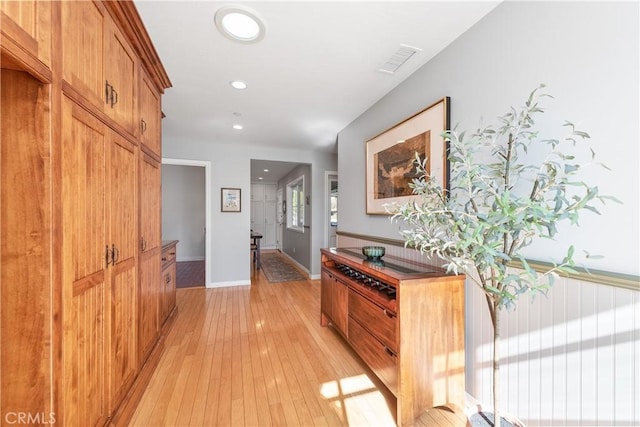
(120, 73)
(149, 116)
(109, 79)
(27, 23)
(122, 214)
(405, 320)
(86, 257)
(149, 248)
(168, 293)
(79, 308)
(83, 55)
(334, 302)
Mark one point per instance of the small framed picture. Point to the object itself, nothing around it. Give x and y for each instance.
(230, 200)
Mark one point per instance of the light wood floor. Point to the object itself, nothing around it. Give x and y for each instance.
(257, 356)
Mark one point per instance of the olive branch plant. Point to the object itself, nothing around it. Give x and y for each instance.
(497, 205)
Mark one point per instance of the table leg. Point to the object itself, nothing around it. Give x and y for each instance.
(258, 252)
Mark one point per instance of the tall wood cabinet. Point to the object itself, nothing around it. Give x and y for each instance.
(80, 213)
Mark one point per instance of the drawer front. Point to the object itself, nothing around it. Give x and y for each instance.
(378, 321)
(168, 256)
(375, 354)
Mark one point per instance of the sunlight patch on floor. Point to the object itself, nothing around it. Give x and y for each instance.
(358, 401)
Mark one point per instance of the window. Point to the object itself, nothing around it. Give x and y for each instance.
(295, 204)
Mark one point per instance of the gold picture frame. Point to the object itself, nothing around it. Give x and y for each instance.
(230, 200)
(390, 156)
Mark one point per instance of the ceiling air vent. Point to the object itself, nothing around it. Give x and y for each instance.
(398, 58)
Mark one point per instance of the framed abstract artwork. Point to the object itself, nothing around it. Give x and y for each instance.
(390, 157)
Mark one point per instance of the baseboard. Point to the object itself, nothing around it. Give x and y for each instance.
(189, 258)
(228, 284)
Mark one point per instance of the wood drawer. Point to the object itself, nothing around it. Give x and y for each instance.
(376, 355)
(168, 255)
(378, 321)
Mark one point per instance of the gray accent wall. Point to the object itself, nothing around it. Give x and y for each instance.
(183, 210)
(294, 243)
(587, 55)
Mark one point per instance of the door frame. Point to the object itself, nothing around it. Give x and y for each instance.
(327, 206)
(208, 250)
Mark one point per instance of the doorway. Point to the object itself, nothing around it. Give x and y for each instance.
(186, 216)
(331, 209)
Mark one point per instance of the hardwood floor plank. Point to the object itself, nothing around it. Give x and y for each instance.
(257, 356)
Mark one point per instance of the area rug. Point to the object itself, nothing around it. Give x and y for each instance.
(277, 269)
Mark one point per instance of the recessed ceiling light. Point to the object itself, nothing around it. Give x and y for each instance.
(266, 170)
(238, 84)
(240, 24)
(237, 127)
(259, 177)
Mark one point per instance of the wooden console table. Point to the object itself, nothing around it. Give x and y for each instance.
(405, 320)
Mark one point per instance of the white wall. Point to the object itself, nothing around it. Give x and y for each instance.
(230, 166)
(183, 210)
(586, 53)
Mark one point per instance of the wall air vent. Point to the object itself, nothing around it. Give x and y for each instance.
(398, 58)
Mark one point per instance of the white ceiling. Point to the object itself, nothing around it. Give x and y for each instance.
(312, 74)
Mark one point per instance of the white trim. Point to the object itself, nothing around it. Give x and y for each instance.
(189, 258)
(208, 251)
(228, 284)
(327, 207)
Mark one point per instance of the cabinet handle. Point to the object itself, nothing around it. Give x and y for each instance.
(388, 313)
(115, 254)
(164, 258)
(143, 244)
(143, 126)
(107, 91)
(172, 253)
(389, 351)
(106, 255)
(168, 279)
(114, 97)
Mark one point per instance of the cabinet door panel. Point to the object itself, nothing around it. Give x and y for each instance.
(149, 293)
(340, 304)
(150, 185)
(84, 267)
(150, 116)
(122, 210)
(326, 295)
(120, 72)
(28, 22)
(82, 39)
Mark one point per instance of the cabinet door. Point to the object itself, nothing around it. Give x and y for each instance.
(149, 293)
(83, 49)
(122, 209)
(84, 267)
(326, 295)
(28, 23)
(149, 115)
(150, 285)
(150, 182)
(340, 304)
(168, 291)
(120, 68)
